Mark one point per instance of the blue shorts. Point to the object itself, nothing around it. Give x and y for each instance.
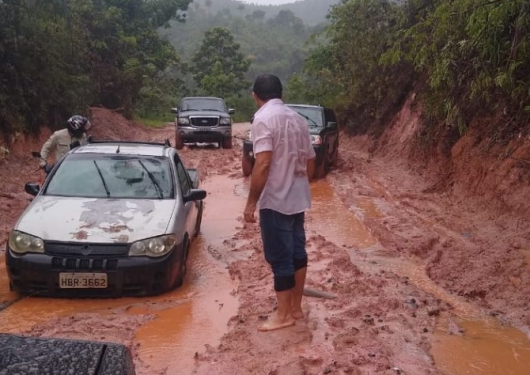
(284, 241)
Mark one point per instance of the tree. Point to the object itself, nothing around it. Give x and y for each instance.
(348, 64)
(258, 14)
(61, 56)
(218, 67)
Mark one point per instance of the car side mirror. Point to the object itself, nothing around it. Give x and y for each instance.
(174, 110)
(195, 195)
(231, 111)
(331, 125)
(32, 188)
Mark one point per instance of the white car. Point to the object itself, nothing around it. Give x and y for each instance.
(112, 219)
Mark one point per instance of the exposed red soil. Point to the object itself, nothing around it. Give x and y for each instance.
(465, 219)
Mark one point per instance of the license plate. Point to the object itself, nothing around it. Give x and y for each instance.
(204, 128)
(82, 280)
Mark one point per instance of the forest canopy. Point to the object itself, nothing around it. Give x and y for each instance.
(61, 56)
(462, 59)
(465, 59)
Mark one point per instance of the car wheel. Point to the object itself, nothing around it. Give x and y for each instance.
(183, 267)
(246, 166)
(227, 142)
(335, 156)
(323, 168)
(179, 143)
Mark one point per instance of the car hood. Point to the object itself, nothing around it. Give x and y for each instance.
(96, 220)
(203, 113)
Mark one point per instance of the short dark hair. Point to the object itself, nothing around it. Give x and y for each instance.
(267, 87)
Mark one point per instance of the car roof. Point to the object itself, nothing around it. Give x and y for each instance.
(304, 105)
(202, 97)
(124, 148)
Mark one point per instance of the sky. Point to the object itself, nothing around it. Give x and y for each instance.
(269, 2)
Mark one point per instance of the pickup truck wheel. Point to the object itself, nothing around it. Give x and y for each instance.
(246, 166)
(323, 168)
(227, 142)
(179, 143)
(335, 156)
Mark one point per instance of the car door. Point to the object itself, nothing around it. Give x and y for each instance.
(189, 208)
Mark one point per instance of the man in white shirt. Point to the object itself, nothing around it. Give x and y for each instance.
(284, 164)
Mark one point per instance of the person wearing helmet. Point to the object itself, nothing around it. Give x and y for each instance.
(64, 140)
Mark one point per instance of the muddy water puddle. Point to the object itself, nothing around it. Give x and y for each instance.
(483, 347)
(184, 320)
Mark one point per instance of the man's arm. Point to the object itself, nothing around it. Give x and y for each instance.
(47, 147)
(260, 173)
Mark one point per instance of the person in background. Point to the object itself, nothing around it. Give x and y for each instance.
(285, 163)
(64, 140)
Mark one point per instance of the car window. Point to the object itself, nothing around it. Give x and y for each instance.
(202, 104)
(184, 180)
(313, 115)
(101, 176)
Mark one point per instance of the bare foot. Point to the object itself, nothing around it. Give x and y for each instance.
(276, 323)
(297, 314)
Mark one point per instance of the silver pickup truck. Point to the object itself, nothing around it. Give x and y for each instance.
(203, 119)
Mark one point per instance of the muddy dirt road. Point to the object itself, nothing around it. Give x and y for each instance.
(368, 240)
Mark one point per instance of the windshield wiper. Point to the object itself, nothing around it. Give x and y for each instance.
(102, 179)
(153, 180)
(213, 109)
(311, 121)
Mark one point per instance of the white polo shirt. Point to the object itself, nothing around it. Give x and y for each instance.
(280, 129)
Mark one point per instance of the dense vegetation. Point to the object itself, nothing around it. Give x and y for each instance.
(466, 59)
(463, 59)
(273, 42)
(60, 56)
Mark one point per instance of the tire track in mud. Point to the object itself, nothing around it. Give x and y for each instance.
(6, 304)
(468, 339)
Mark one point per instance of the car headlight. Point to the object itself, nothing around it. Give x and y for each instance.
(22, 243)
(316, 140)
(225, 121)
(183, 121)
(153, 247)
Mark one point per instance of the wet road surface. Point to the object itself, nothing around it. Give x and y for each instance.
(167, 331)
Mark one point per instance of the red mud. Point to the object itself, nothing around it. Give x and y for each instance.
(468, 231)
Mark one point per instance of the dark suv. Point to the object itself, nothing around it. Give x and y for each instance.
(203, 119)
(324, 136)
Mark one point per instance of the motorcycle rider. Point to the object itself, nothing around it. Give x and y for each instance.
(64, 140)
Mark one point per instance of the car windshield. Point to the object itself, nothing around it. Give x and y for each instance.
(313, 115)
(105, 176)
(203, 104)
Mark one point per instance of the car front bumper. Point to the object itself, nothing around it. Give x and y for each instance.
(204, 134)
(38, 274)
